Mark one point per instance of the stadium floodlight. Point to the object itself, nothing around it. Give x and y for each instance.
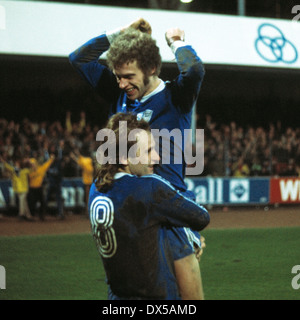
(169, 4)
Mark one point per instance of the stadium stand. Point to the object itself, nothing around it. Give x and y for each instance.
(229, 150)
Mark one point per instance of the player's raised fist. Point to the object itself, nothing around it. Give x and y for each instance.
(140, 24)
(174, 34)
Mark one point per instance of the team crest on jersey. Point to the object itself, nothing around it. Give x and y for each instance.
(146, 115)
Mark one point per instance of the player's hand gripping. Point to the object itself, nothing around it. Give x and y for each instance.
(141, 25)
(174, 34)
(199, 251)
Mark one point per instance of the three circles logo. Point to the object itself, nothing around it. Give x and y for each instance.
(273, 46)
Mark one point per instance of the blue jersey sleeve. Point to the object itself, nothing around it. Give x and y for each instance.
(186, 87)
(173, 209)
(85, 60)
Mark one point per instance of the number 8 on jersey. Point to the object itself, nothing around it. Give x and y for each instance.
(102, 218)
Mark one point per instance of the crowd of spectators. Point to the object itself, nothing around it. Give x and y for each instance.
(229, 150)
(31, 152)
(27, 140)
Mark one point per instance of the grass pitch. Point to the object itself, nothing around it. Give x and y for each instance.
(243, 264)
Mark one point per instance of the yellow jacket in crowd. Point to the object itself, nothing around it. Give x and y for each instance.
(38, 172)
(86, 164)
(19, 179)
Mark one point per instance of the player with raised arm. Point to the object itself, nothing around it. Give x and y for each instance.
(131, 83)
(128, 206)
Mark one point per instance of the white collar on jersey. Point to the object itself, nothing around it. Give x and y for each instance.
(159, 88)
(120, 175)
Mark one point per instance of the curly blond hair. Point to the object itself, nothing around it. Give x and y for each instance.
(133, 45)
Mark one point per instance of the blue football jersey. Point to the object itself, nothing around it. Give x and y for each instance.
(126, 221)
(170, 108)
